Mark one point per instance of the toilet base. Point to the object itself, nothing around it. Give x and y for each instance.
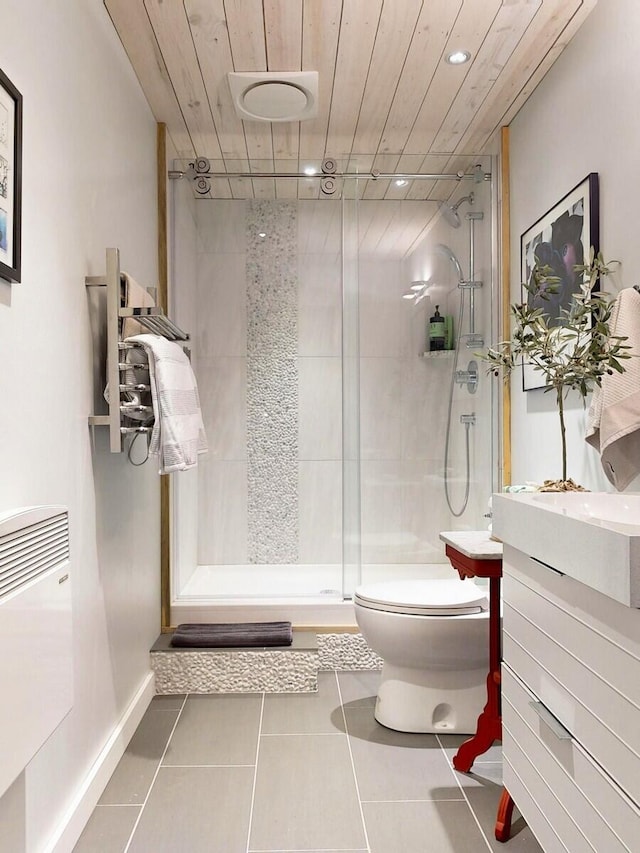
(437, 701)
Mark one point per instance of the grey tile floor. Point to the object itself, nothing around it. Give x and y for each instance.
(294, 772)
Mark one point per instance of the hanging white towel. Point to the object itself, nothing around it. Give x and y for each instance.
(178, 434)
(613, 421)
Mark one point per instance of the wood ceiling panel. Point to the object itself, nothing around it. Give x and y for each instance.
(209, 32)
(469, 30)
(240, 187)
(285, 187)
(283, 32)
(386, 97)
(432, 31)
(173, 35)
(504, 35)
(432, 164)
(542, 34)
(357, 36)
(577, 19)
(132, 24)
(385, 163)
(319, 47)
(395, 33)
(245, 25)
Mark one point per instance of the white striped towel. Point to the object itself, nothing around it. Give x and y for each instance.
(613, 421)
(178, 434)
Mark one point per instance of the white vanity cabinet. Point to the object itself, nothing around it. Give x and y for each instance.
(570, 706)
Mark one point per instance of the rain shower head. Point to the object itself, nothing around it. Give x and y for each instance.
(446, 251)
(450, 211)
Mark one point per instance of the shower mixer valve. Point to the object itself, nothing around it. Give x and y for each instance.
(468, 377)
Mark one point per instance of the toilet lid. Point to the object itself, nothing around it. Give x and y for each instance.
(423, 597)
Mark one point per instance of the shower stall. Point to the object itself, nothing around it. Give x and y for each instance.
(339, 444)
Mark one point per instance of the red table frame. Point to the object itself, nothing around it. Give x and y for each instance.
(489, 727)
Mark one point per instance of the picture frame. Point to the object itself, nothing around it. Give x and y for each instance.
(10, 180)
(560, 239)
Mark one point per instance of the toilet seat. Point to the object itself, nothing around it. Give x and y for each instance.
(423, 597)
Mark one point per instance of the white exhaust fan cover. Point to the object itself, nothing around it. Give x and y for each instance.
(275, 96)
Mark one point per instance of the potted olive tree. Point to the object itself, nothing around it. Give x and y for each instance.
(574, 355)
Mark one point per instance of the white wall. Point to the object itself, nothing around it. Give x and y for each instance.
(88, 183)
(582, 118)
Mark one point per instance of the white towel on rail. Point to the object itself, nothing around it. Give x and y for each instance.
(613, 421)
(178, 434)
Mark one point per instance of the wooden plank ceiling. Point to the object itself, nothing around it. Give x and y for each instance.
(388, 101)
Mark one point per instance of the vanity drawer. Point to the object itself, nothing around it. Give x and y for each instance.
(586, 678)
(557, 785)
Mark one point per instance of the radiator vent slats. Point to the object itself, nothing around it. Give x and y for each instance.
(30, 551)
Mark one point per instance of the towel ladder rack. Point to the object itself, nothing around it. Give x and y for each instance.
(151, 318)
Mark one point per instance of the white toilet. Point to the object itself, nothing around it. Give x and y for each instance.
(433, 638)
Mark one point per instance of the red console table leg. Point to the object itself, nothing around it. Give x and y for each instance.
(489, 727)
(503, 818)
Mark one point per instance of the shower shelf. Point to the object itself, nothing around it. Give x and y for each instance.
(438, 353)
(151, 318)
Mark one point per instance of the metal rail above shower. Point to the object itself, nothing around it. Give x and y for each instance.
(200, 172)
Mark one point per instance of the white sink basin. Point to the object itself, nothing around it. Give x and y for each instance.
(593, 537)
(598, 507)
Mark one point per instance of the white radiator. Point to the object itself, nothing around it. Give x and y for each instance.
(36, 665)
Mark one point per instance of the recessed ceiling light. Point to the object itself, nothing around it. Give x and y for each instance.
(458, 57)
(401, 182)
(262, 233)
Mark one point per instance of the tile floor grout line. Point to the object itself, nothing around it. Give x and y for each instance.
(255, 774)
(155, 775)
(297, 734)
(188, 766)
(442, 800)
(459, 784)
(353, 766)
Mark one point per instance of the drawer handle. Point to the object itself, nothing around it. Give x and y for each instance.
(547, 566)
(550, 721)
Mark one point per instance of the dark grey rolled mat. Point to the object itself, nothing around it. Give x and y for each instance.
(232, 634)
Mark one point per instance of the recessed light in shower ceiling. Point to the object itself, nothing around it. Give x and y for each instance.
(275, 96)
(458, 57)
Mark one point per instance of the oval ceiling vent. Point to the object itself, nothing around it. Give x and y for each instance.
(274, 96)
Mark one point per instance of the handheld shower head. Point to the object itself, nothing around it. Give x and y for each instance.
(450, 211)
(446, 251)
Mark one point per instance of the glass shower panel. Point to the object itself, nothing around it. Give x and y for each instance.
(409, 404)
(268, 352)
(351, 508)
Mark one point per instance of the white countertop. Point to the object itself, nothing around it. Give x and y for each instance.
(593, 537)
(476, 544)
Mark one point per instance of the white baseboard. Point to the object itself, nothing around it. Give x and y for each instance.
(94, 783)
